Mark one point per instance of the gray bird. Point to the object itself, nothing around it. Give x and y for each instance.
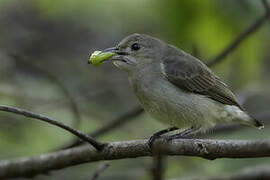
(177, 88)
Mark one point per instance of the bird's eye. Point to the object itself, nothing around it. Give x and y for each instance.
(135, 46)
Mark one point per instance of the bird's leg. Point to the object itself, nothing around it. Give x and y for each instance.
(184, 133)
(158, 134)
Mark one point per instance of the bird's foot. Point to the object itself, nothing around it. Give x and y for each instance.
(183, 134)
(175, 136)
(157, 135)
(151, 141)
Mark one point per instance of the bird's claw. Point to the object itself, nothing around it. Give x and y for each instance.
(151, 142)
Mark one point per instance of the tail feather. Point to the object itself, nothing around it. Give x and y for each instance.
(258, 124)
(243, 117)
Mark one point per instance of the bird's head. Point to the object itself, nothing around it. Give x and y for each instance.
(136, 51)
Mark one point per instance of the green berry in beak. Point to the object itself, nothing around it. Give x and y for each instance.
(98, 57)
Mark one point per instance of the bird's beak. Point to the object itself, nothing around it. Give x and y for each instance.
(114, 50)
(120, 56)
(111, 50)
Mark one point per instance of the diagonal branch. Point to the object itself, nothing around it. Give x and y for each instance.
(110, 125)
(209, 149)
(242, 36)
(102, 168)
(49, 120)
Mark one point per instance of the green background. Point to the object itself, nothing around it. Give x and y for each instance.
(53, 40)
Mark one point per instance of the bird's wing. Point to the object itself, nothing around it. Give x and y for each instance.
(188, 73)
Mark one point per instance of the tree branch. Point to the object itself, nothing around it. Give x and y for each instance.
(110, 125)
(158, 167)
(49, 120)
(102, 168)
(242, 36)
(209, 149)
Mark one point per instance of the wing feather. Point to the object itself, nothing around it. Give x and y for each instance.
(190, 74)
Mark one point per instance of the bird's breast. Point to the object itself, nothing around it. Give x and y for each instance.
(164, 101)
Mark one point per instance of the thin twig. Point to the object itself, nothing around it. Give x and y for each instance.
(209, 149)
(49, 120)
(118, 121)
(55, 80)
(158, 167)
(110, 125)
(102, 168)
(242, 36)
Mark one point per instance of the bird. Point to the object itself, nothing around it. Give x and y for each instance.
(176, 88)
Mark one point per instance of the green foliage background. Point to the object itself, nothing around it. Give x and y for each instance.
(58, 35)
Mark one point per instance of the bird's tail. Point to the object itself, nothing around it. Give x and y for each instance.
(258, 124)
(243, 117)
(254, 122)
